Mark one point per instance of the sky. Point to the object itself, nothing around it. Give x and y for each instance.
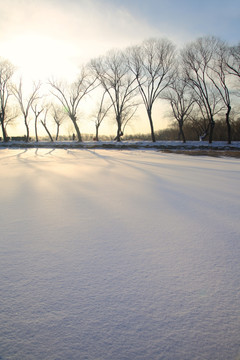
(52, 38)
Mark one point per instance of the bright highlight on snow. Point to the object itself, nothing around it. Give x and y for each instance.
(110, 254)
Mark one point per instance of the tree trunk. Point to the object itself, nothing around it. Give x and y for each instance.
(119, 130)
(149, 112)
(96, 136)
(36, 133)
(48, 132)
(211, 127)
(228, 125)
(119, 134)
(4, 132)
(57, 133)
(79, 136)
(27, 130)
(182, 135)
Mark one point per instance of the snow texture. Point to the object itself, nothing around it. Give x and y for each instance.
(119, 255)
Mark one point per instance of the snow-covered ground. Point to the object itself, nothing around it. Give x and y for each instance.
(119, 255)
(189, 145)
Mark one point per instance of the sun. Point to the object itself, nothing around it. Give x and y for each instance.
(39, 57)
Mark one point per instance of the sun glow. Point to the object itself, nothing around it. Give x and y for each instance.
(39, 57)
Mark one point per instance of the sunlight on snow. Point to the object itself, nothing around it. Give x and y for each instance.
(114, 254)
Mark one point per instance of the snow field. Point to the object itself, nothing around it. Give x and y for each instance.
(108, 254)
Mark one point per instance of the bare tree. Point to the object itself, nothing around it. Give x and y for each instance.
(37, 111)
(26, 103)
(101, 114)
(219, 77)
(120, 84)
(6, 72)
(152, 64)
(71, 96)
(58, 116)
(181, 100)
(197, 60)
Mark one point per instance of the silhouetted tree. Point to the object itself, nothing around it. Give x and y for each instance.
(197, 60)
(218, 76)
(58, 116)
(181, 99)
(152, 64)
(6, 72)
(26, 103)
(101, 113)
(71, 96)
(37, 111)
(118, 82)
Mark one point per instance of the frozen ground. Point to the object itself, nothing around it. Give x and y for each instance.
(119, 255)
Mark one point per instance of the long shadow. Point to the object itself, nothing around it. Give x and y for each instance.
(107, 159)
(12, 156)
(47, 153)
(135, 163)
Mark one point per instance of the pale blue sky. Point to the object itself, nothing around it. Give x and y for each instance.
(193, 18)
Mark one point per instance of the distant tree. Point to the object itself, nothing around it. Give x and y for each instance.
(119, 83)
(71, 96)
(26, 103)
(236, 129)
(197, 124)
(37, 111)
(6, 73)
(101, 113)
(181, 99)
(152, 64)
(58, 116)
(197, 60)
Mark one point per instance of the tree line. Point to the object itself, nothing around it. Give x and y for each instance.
(201, 82)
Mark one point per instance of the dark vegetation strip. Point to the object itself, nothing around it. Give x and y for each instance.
(206, 152)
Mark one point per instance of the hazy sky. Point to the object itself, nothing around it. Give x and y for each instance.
(45, 37)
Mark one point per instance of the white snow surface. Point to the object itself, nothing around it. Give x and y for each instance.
(119, 255)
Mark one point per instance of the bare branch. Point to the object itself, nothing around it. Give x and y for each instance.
(152, 64)
(6, 72)
(113, 73)
(26, 103)
(71, 96)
